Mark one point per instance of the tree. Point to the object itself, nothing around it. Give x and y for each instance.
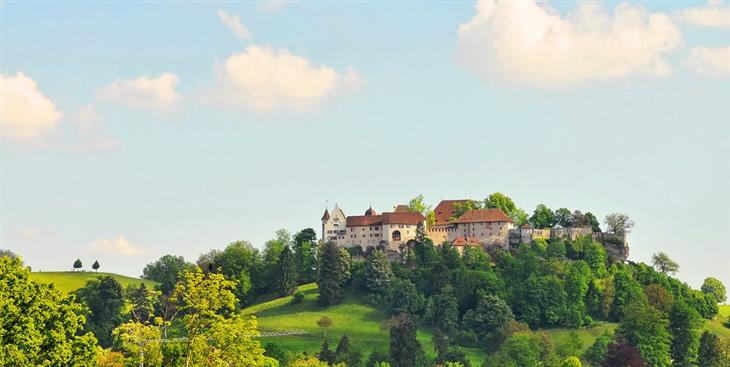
(104, 298)
(576, 288)
(564, 218)
(664, 264)
(623, 354)
(542, 217)
(710, 353)
(325, 323)
(571, 361)
(333, 273)
(501, 201)
(684, 325)
(462, 207)
(39, 326)
(305, 255)
(578, 219)
(404, 348)
(276, 352)
(490, 315)
(646, 329)
(440, 345)
(519, 350)
(78, 264)
(167, 270)
(142, 301)
(377, 272)
(130, 336)
(96, 265)
(593, 222)
(618, 223)
(7, 253)
(417, 205)
(325, 354)
(402, 296)
(287, 272)
(242, 263)
(442, 310)
(714, 287)
(659, 298)
(597, 351)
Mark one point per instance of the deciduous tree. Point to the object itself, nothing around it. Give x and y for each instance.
(619, 223)
(664, 264)
(104, 298)
(542, 217)
(714, 287)
(167, 270)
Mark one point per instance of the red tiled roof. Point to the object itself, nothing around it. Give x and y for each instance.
(403, 218)
(402, 209)
(483, 215)
(445, 210)
(462, 241)
(385, 218)
(326, 215)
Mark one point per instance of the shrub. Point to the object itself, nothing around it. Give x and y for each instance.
(297, 298)
(466, 338)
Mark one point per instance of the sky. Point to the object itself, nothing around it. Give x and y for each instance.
(133, 130)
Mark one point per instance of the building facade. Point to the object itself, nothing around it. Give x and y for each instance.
(390, 230)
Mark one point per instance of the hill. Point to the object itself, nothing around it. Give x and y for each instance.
(361, 323)
(68, 281)
(716, 326)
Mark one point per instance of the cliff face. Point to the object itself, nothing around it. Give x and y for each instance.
(616, 246)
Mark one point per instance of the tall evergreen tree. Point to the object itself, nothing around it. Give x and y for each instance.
(404, 348)
(378, 273)
(334, 272)
(287, 272)
(710, 353)
(440, 345)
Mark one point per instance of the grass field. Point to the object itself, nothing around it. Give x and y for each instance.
(68, 281)
(361, 323)
(716, 326)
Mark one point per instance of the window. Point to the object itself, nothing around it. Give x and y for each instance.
(396, 235)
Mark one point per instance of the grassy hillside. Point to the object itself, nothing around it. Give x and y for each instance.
(68, 281)
(360, 321)
(716, 326)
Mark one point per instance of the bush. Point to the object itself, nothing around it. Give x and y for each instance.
(297, 298)
(466, 338)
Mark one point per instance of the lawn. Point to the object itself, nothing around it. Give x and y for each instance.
(68, 281)
(716, 326)
(361, 323)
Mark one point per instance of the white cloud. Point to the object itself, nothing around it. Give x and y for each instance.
(26, 112)
(86, 116)
(710, 61)
(150, 93)
(264, 79)
(715, 14)
(530, 42)
(234, 24)
(116, 246)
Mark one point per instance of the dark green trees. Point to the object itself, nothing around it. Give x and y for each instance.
(104, 298)
(377, 272)
(167, 271)
(646, 329)
(684, 326)
(714, 287)
(710, 353)
(305, 255)
(489, 317)
(334, 272)
(542, 217)
(287, 276)
(78, 264)
(404, 348)
(96, 265)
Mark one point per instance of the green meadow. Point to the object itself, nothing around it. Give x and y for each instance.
(69, 281)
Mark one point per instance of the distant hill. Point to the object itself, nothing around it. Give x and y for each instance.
(361, 323)
(68, 281)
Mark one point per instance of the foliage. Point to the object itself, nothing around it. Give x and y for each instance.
(519, 350)
(501, 201)
(276, 352)
(377, 272)
(167, 270)
(490, 315)
(618, 223)
(576, 287)
(104, 298)
(597, 351)
(325, 323)
(402, 296)
(305, 255)
(128, 337)
(442, 310)
(710, 353)
(38, 326)
(334, 272)
(404, 348)
(684, 324)
(542, 217)
(287, 277)
(96, 265)
(564, 218)
(571, 361)
(417, 205)
(108, 358)
(623, 354)
(659, 298)
(78, 264)
(142, 301)
(462, 207)
(7, 253)
(714, 287)
(646, 329)
(664, 264)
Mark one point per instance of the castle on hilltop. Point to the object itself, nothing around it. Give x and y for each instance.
(395, 230)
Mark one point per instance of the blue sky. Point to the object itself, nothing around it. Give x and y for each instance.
(381, 102)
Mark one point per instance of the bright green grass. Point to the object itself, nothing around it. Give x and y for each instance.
(716, 326)
(361, 323)
(68, 281)
(587, 336)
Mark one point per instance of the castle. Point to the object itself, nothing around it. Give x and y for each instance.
(490, 228)
(394, 230)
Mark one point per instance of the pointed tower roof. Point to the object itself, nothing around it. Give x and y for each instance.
(370, 211)
(326, 215)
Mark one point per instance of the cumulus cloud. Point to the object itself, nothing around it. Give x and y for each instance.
(151, 93)
(714, 62)
(265, 79)
(116, 246)
(529, 42)
(26, 112)
(714, 14)
(234, 24)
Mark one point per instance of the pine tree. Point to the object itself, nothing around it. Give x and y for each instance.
(710, 353)
(421, 235)
(378, 273)
(440, 345)
(287, 272)
(343, 347)
(334, 272)
(404, 348)
(96, 265)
